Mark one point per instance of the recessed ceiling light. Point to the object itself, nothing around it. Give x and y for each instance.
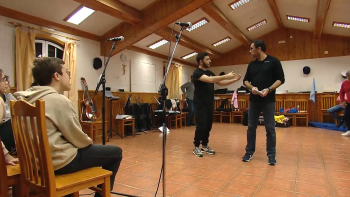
(79, 15)
(198, 24)
(158, 44)
(221, 41)
(340, 24)
(256, 25)
(296, 18)
(238, 3)
(189, 55)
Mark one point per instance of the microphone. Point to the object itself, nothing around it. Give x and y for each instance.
(182, 24)
(121, 38)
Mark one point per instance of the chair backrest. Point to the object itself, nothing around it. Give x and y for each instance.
(289, 103)
(327, 101)
(278, 105)
(303, 104)
(217, 103)
(3, 173)
(29, 127)
(117, 108)
(242, 104)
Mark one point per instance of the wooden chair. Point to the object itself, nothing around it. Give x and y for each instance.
(327, 101)
(217, 113)
(242, 105)
(278, 106)
(89, 127)
(29, 127)
(289, 103)
(117, 109)
(303, 107)
(227, 113)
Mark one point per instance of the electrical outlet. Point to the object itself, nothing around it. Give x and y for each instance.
(325, 52)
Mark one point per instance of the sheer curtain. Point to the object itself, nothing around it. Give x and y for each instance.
(25, 55)
(174, 80)
(69, 57)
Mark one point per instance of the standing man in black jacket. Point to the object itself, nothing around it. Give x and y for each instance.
(263, 76)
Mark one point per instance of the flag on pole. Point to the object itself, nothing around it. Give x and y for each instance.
(313, 91)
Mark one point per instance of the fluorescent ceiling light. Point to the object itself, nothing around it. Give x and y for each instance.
(343, 25)
(158, 44)
(238, 3)
(296, 18)
(189, 55)
(80, 15)
(263, 22)
(221, 41)
(198, 24)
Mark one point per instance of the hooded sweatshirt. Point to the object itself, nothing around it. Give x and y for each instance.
(63, 128)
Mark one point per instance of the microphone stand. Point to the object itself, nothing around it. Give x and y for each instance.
(102, 81)
(163, 91)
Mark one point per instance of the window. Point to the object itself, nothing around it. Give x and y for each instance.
(44, 48)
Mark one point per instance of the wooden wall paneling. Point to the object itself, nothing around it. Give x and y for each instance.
(300, 46)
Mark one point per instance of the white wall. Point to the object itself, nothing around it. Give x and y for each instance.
(87, 50)
(326, 72)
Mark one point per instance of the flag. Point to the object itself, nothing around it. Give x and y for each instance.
(313, 91)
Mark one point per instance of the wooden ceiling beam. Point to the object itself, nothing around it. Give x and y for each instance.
(321, 14)
(154, 54)
(114, 8)
(154, 18)
(220, 18)
(275, 12)
(187, 42)
(45, 23)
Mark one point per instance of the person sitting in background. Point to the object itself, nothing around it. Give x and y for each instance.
(71, 149)
(333, 111)
(9, 160)
(6, 126)
(345, 90)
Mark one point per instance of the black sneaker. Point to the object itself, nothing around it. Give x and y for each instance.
(272, 161)
(247, 157)
(197, 152)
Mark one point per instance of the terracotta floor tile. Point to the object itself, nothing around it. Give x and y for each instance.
(247, 179)
(125, 189)
(193, 171)
(171, 188)
(209, 184)
(192, 191)
(140, 182)
(339, 192)
(338, 174)
(218, 175)
(248, 170)
(312, 171)
(282, 175)
(312, 179)
(278, 184)
(239, 189)
(265, 192)
(313, 189)
(182, 179)
(342, 183)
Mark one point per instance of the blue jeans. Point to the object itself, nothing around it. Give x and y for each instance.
(334, 110)
(268, 109)
(190, 115)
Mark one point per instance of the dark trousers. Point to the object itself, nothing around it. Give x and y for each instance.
(347, 115)
(204, 120)
(7, 137)
(190, 115)
(107, 156)
(268, 109)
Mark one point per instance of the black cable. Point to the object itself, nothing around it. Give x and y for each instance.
(161, 170)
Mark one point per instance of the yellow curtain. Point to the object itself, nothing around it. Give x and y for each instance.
(69, 57)
(174, 80)
(25, 55)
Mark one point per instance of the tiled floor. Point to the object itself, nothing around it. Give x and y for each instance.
(310, 162)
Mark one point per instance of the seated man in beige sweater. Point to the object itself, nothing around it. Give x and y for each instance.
(71, 149)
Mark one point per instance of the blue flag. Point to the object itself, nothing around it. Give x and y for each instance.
(313, 91)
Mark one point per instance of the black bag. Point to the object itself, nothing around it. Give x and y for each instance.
(224, 106)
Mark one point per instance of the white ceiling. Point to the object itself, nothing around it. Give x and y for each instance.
(248, 15)
(164, 49)
(56, 10)
(301, 8)
(339, 12)
(208, 33)
(243, 17)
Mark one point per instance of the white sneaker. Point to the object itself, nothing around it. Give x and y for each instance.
(346, 133)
